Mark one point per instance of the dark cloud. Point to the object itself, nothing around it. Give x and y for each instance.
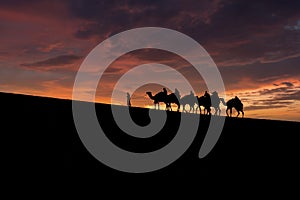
(233, 31)
(281, 90)
(288, 84)
(264, 107)
(273, 102)
(260, 73)
(13, 3)
(294, 96)
(115, 16)
(295, 27)
(284, 94)
(56, 61)
(249, 31)
(113, 70)
(272, 91)
(268, 103)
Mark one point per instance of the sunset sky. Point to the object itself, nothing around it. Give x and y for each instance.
(255, 45)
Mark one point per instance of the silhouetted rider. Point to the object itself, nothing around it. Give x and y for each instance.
(206, 94)
(177, 93)
(237, 100)
(215, 93)
(165, 91)
(207, 97)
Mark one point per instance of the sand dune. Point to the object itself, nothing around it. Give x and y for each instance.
(40, 135)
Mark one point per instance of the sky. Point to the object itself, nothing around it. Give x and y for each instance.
(255, 45)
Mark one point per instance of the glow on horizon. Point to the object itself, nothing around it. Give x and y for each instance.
(248, 97)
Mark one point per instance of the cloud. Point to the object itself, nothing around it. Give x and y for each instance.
(50, 47)
(295, 27)
(258, 74)
(294, 96)
(113, 70)
(108, 17)
(264, 107)
(237, 21)
(255, 44)
(276, 96)
(288, 84)
(273, 91)
(56, 61)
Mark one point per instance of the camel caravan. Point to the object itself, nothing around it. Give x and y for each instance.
(206, 101)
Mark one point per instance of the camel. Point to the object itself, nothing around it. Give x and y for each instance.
(215, 101)
(191, 100)
(235, 103)
(206, 103)
(167, 99)
(188, 100)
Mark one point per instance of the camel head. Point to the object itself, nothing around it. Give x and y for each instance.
(150, 94)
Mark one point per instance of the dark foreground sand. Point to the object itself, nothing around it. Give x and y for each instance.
(39, 139)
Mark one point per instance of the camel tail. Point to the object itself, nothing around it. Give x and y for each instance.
(223, 101)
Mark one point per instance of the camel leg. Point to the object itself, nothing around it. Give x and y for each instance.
(198, 107)
(185, 109)
(230, 112)
(216, 110)
(190, 109)
(168, 106)
(238, 114)
(242, 113)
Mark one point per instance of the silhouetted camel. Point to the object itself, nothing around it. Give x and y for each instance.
(215, 101)
(172, 98)
(167, 99)
(206, 103)
(190, 100)
(235, 103)
(159, 97)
